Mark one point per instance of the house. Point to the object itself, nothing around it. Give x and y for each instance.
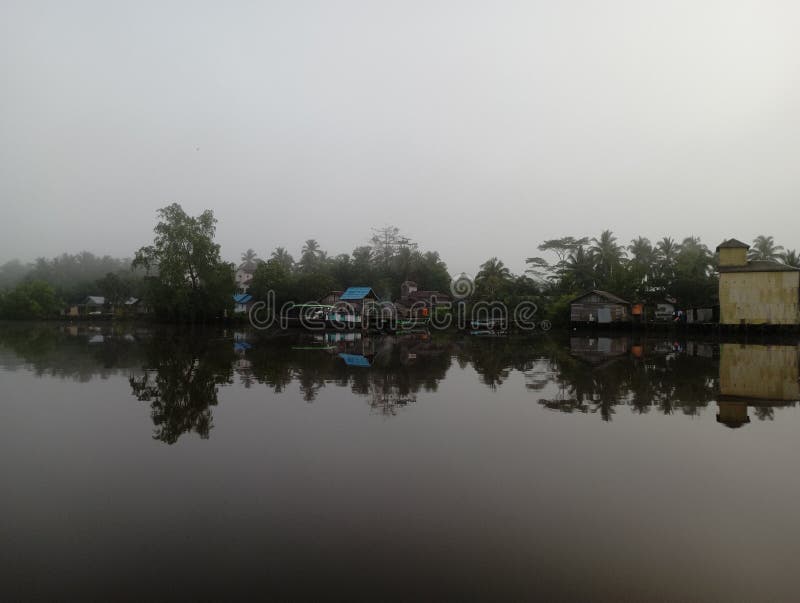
(242, 303)
(331, 298)
(756, 292)
(134, 306)
(422, 301)
(705, 314)
(95, 306)
(355, 304)
(244, 274)
(665, 309)
(599, 307)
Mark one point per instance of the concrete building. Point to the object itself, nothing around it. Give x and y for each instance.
(756, 292)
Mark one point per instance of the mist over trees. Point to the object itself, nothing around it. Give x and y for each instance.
(182, 276)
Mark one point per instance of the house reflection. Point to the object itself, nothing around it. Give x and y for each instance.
(761, 376)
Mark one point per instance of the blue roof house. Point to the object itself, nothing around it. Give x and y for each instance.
(358, 294)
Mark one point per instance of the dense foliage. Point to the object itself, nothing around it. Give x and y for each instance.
(186, 278)
(384, 264)
(182, 277)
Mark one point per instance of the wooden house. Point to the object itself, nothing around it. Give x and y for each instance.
(418, 302)
(599, 307)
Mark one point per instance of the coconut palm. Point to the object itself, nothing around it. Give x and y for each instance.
(249, 259)
(283, 257)
(579, 269)
(608, 255)
(764, 248)
(791, 258)
(492, 275)
(310, 254)
(642, 259)
(310, 247)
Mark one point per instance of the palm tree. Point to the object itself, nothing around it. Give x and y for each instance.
(764, 248)
(791, 258)
(642, 259)
(249, 259)
(607, 254)
(309, 255)
(283, 257)
(666, 255)
(492, 275)
(578, 269)
(310, 247)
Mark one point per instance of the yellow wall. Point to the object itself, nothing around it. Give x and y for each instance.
(759, 372)
(732, 257)
(759, 297)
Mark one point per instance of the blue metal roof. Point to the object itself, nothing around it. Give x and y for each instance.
(355, 293)
(242, 298)
(354, 360)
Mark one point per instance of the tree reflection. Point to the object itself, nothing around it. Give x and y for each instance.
(181, 383)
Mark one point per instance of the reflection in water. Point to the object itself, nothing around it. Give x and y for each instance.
(179, 373)
(760, 376)
(180, 382)
(478, 466)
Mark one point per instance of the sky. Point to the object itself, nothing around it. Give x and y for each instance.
(478, 128)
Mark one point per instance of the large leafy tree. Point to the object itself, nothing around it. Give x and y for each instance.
(114, 288)
(188, 279)
(28, 300)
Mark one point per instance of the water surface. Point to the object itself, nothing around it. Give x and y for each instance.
(151, 463)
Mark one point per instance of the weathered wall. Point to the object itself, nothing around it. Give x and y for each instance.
(580, 312)
(759, 372)
(759, 297)
(732, 257)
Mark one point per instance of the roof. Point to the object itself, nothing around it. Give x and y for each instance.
(131, 301)
(97, 300)
(732, 244)
(242, 298)
(354, 359)
(356, 293)
(759, 266)
(425, 295)
(608, 296)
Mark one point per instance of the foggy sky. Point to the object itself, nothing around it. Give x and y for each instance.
(478, 128)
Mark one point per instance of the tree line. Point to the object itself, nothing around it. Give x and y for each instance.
(183, 278)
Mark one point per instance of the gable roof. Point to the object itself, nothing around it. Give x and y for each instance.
(732, 244)
(356, 293)
(759, 266)
(97, 300)
(604, 294)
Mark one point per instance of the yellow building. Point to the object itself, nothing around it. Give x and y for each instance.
(756, 292)
(756, 375)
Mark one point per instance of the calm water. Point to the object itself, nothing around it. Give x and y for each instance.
(159, 464)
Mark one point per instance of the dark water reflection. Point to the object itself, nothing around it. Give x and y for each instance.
(415, 466)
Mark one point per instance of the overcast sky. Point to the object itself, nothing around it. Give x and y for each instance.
(478, 128)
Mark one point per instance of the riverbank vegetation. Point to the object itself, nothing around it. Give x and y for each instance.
(182, 277)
